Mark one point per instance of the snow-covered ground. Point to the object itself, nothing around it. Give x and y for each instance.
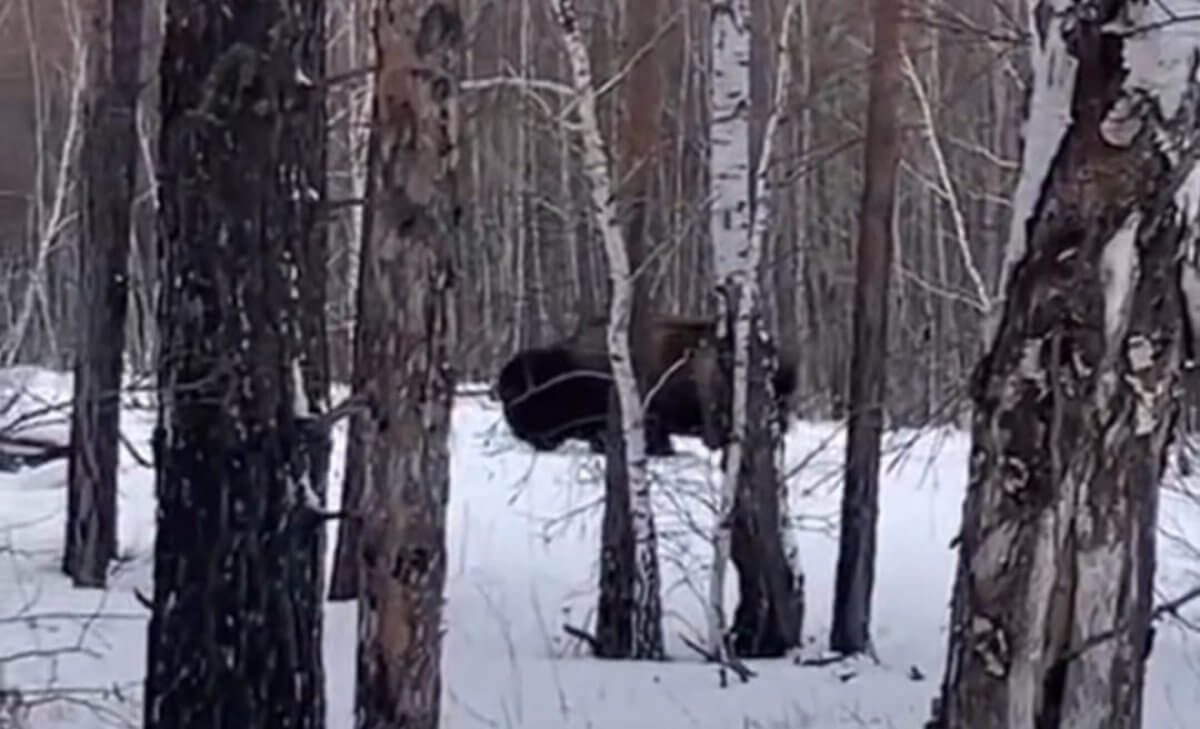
(523, 535)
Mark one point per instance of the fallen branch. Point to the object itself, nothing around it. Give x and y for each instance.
(134, 452)
(826, 660)
(732, 663)
(583, 635)
(37, 452)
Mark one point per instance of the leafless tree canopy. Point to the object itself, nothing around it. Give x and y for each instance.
(528, 260)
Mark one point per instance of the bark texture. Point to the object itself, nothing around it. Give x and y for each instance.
(110, 148)
(344, 581)
(731, 227)
(235, 634)
(626, 587)
(851, 628)
(407, 272)
(1076, 396)
(769, 618)
(626, 597)
(750, 528)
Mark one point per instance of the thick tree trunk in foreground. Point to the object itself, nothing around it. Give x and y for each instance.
(1075, 397)
(851, 629)
(110, 149)
(635, 600)
(407, 272)
(235, 634)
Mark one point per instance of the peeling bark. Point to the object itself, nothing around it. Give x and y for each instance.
(235, 633)
(1075, 398)
(407, 272)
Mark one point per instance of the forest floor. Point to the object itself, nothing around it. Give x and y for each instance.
(523, 537)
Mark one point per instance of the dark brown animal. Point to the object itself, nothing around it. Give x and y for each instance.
(561, 392)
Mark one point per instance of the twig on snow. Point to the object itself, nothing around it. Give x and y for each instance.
(732, 663)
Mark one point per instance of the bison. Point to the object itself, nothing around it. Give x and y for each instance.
(560, 392)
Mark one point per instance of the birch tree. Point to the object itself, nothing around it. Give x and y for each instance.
(234, 637)
(407, 272)
(750, 524)
(109, 157)
(851, 628)
(1075, 397)
(639, 635)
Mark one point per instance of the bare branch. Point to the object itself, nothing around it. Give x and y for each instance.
(947, 182)
(1171, 607)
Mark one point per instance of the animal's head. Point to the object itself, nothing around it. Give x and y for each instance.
(513, 379)
(711, 376)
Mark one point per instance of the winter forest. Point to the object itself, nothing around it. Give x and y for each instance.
(534, 364)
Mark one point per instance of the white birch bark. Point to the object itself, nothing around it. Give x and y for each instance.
(760, 226)
(729, 161)
(600, 188)
(1045, 126)
(739, 234)
(358, 137)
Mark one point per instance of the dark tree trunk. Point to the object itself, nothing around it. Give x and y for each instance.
(1076, 396)
(344, 582)
(235, 634)
(312, 260)
(851, 629)
(109, 159)
(407, 267)
(770, 613)
(615, 602)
